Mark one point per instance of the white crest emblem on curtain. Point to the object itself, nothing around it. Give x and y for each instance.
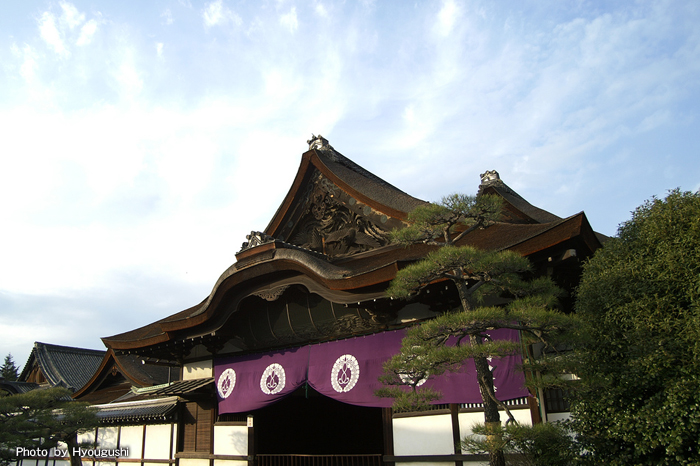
(227, 380)
(273, 379)
(345, 373)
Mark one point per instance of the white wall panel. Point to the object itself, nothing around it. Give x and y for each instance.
(132, 438)
(554, 417)
(467, 420)
(423, 435)
(232, 463)
(87, 437)
(197, 370)
(107, 437)
(192, 462)
(157, 442)
(230, 440)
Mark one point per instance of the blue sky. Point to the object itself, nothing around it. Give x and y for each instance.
(141, 141)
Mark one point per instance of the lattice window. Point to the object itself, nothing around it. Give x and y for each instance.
(196, 427)
(555, 400)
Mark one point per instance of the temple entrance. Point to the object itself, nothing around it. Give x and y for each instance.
(307, 423)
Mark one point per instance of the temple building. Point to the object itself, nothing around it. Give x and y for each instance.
(279, 364)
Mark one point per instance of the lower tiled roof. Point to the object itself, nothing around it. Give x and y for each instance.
(161, 409)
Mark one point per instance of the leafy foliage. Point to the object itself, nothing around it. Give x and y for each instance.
(493, 271)
(550, 444)
(41, 418)
(449, 220)
(639, 402)
(9, 370)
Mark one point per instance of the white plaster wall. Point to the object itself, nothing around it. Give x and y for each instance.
(28, 462)
(107, 437)
(230, 440)
(105, 463)
(423, 435)
(132, 438)
(554, 417)
(230, 463)
(467, 420)
(87, 437)
(157, 442)
(192, 462)
(62, 463)
(197, 370)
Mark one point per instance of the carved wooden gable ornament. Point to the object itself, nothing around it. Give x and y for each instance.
(324, 217)
(334, 223)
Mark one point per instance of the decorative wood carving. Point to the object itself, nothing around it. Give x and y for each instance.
(272, 294)
(329, 226)
(256, 238)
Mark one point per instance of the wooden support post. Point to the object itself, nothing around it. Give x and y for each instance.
(456, 435)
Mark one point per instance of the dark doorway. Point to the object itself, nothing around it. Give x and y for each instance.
(309, 423)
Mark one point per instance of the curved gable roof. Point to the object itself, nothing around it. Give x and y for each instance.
(524, 228)
(63, 365)
(354, 180)
(129, 366)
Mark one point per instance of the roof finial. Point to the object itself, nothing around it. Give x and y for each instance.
(318, 142)
(489, 176)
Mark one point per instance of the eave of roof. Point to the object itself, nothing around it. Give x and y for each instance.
(129, 366)
(516, 205)
(527, 239)
(17, 387)
(144, 410)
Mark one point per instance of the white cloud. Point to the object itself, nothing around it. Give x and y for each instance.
(50, 33)
(446, 17)
(216, 13)
(321, 10)
(59, 32)
(71, 16)
(29, 65)
(129, 79)
(168, 16)
(123, 164)
(289, 20)
(87, 32)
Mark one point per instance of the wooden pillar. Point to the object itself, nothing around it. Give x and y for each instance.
(456, 435)
(388, 432)
(251, 441)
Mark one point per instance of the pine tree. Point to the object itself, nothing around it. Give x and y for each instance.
(42, 419)
(9, 370)
(476, 274)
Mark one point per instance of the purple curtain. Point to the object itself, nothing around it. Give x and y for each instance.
(254, 381)
(347, 370)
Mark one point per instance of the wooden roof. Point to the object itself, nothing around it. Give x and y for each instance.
(316, 239)
(61, 365)
(116, 375)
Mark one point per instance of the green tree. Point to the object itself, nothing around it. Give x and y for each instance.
(9, 370)
(476, 274)
(639, 399)
(548, 444)
(41, 419)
